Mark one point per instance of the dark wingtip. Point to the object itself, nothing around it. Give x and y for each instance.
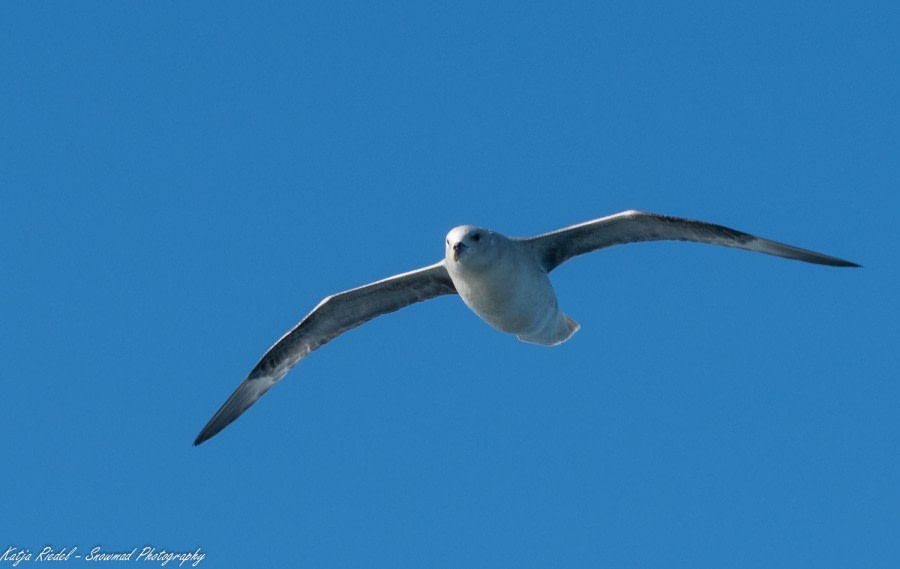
(211, 429)
(843, 263)
(204, 435)
(243, 397)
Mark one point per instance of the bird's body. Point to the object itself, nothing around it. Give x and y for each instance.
(504, 280)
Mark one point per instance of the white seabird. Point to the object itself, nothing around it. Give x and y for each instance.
(504, 280)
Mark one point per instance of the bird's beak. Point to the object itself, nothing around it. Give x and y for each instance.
(458, 248)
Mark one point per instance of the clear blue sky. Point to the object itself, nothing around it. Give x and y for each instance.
(182, 181)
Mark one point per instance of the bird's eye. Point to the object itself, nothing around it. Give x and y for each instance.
(476, 237)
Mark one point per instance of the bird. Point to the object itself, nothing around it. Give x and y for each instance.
(503, 280)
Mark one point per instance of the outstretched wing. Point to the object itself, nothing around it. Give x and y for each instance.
(331, 318)
(632, 226)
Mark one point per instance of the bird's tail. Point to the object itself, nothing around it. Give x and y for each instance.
(560, 330)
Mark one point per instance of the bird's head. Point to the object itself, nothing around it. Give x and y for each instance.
(469, 245)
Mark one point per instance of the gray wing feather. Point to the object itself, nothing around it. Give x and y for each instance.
(331, 318)
(632, 226)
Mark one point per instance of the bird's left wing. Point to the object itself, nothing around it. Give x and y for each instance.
(555, 248)
(331, 318)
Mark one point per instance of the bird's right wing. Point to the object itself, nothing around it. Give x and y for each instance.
(633, 226)
(331, 318)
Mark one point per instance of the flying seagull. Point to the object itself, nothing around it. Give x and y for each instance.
(504, 280)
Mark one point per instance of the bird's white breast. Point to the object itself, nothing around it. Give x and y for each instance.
(512, 293)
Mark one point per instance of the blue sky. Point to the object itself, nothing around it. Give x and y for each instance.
(182, 182)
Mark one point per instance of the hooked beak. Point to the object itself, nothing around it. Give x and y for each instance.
(458, 248)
